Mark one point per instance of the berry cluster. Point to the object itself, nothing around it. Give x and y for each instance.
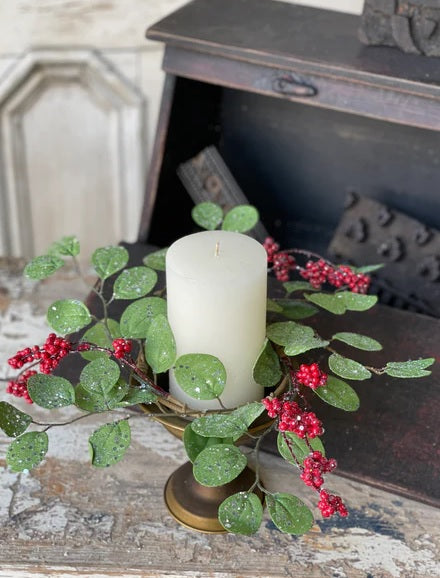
(319, 272)
(282, 263)
(311, 376)
(53, 350)
(19, 386)
(314, 466)
(122, 347)
(329, 504)
(293, 419)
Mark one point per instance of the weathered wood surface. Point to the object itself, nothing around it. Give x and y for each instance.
(69, 519)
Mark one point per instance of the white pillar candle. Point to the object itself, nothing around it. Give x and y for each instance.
(216, 293)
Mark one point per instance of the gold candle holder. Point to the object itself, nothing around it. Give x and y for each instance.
(191, 504)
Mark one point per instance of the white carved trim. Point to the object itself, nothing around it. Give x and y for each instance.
(122, 101)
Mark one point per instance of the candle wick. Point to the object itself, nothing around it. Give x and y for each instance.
(217, 249)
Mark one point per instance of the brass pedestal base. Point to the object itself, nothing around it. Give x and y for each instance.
(196, 506)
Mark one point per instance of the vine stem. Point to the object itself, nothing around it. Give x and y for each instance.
(256, 450)
(98, 292)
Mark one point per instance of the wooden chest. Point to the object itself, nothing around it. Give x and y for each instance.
(303, 114)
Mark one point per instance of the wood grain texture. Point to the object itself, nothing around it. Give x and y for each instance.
(67, 519)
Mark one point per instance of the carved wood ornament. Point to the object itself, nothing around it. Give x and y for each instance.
(411, 25)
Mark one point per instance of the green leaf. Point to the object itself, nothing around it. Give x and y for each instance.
(200, 375)
(296, 338)
(407, 369)
(50, 392)
(156, 260)
(299, 447)
(359, 341)
(231, 425)
(241, 513)
(248, 413)
(273, 306)
(100, 375)
(368, 268)
(218, 465)
(267, 371)
(97, 334)
(109, 443)
(347, 368)
(134, 283)
(27, 451)
(289, 513)
(96, 402)
(67, 246)
(109, 260)
(194, 443)
(68, 316)
(338, 394)
(138, 395)
(43, 267)
(207, 215)
(293, 286)
(296, 309)
(13, 421)
(160, 347)
(357, 301)
(137, 317)
(332, 303)
(240, 219)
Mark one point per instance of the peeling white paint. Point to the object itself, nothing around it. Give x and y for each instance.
(372, 553)
(156, 438)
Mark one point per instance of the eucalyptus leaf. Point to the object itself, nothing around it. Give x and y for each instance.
(296, 338)
(195, 443)
(98, 335)
(240, 219)
(272, 305)
(103, 401)
(109, 443)
(27, 451)
(66, 246)
(232, 425)
(368, 268)
(160, 347)
(13, 421)
(267, 370)
(99, 376)
(293, 286)
(338, 394)
(43, 267)
(296, 309)
(68, 316)
(109, 260)
(289, 513)
(219, 425)
(137, 317)
(200, 375)
(241, 513)
(156, 260)
(359, 341)
(207, 215)
(218, 465)
(332, 303)
(357, 301)
(134, 283)
(408, 369)
(298, 447)
(138, 395)
(50, 392)
(347, 368)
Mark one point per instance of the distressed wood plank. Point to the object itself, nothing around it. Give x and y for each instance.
(68, 519)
